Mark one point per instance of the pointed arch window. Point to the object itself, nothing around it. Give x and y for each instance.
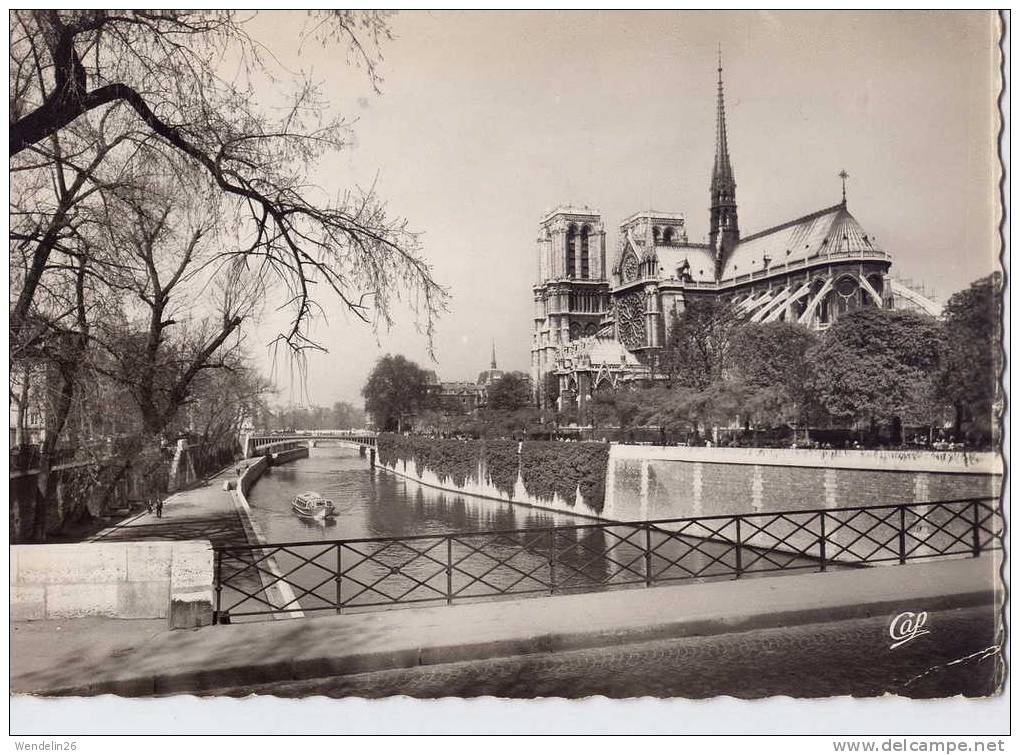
(667, 236)
(631, 267)
(585, 261)
(571, 266)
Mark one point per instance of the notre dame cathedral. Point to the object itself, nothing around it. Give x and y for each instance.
(598, 325)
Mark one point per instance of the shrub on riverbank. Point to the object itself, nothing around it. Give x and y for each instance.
(392, 448)
(502, 464)
(547, 468)
(456, 460)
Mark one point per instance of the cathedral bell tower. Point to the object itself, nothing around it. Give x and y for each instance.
(724, 231)
(571, 293)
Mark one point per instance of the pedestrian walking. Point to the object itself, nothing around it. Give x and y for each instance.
(159, 508)
(148, 505)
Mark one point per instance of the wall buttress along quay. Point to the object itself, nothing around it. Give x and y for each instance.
(661, 482)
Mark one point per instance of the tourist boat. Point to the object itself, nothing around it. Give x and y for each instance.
(313, 506)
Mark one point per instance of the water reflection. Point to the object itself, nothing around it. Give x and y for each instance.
(377, 504)
(524, 556)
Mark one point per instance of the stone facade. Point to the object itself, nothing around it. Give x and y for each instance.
(596, 325)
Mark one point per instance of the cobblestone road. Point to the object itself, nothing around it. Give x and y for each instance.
(816, 660)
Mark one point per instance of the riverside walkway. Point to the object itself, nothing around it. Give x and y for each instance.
(203, 512)
(147, 660)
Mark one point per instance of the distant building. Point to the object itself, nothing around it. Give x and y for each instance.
(459, 397)
(596, 324)
(27, 407)
(465, 397)
(491, 375)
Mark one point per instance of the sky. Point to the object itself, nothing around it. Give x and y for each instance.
(485, 120)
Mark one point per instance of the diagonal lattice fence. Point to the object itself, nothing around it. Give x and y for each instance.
(376, 573)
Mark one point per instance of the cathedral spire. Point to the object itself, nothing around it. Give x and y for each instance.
(724, 231)
(722, 172)
(493, 365)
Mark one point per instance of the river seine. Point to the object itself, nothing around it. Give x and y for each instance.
(377, 504)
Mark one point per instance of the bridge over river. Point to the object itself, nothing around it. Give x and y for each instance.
(263, 443)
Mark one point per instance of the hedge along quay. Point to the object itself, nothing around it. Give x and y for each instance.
(546, 468)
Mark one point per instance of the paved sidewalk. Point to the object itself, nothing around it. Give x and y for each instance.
(962, 654)
(216, 657)
(203, 512)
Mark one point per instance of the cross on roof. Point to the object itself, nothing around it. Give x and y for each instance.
(844, 176)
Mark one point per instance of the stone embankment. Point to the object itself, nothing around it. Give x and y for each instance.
(645, 483)
(657, 482)
(122, 580)
(148, 566)
(276, 590)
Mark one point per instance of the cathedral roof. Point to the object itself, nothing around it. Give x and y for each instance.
(698, 256)
(829, 232)
(670, 257)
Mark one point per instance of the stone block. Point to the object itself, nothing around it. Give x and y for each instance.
(191, 609)
(28, 603)
(81, 600)
(76, 563)
(191, 584)
(191, 565)
(148, 562)
(143, 600)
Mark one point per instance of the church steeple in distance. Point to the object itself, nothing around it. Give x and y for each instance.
(724, 231)
(493, 365)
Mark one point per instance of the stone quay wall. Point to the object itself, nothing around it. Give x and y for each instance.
(123, 580)
(282, 457)
(567, 477)
(277, 591)
(77, 484)
(664, 482)
(480, 485)
(647, 483)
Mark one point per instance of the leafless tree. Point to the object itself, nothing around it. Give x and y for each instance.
(164, 68)
(99, 97)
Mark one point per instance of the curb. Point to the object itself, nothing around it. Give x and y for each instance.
(208, 680)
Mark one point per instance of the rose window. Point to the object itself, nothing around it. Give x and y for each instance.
(630, 319)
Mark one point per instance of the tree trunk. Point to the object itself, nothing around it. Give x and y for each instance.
(55, 420)
(22, 415)
(897, 431)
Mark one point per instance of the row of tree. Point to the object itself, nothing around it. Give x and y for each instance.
(398, 397)
(161, 189)
(873, 369)
(341, 416)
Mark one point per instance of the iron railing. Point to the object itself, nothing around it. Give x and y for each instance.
(373, 573)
